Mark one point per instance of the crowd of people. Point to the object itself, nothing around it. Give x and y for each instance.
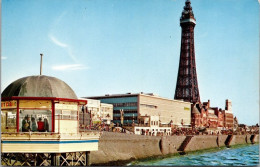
(174, 131)
(29, 124)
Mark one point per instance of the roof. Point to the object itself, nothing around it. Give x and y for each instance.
(195, 110)
(133, 95)
(112, 96)
(39, 86)
(56, 99)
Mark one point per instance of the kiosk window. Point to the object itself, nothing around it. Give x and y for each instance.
(8, 120)
(35, 121)
(66, 115)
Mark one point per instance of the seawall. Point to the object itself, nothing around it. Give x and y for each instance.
(118, 147)
(171, 144)
(203, 142)
(121, 147)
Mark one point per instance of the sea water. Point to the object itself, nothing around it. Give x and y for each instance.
(245, 155)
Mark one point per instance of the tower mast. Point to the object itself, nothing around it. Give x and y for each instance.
(187, 84)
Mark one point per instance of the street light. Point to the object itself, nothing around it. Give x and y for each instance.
(122, 116)
(133, 120)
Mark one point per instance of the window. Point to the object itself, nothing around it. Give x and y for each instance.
(35, 120)
(128, 104)
(8, 120)
(148, 105)
(66, 114)
(126, 111)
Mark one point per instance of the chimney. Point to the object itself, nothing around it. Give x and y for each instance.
(41, 64)
(208, 103)
(228, 105)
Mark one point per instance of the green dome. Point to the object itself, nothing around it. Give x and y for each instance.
(39, 86)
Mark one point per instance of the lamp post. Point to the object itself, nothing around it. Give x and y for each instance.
(133, 120)
(159, 118)
(122, 116)
(90, 121)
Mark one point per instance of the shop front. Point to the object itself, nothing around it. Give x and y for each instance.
(40, 114)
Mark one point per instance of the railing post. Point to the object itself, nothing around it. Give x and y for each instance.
(55, 159)
(88, 158)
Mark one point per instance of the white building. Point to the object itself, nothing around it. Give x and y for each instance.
(97, 112)
(106, 112)
(176, 112)
(150, 125)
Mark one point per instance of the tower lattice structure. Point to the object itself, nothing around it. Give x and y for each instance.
(187, 84)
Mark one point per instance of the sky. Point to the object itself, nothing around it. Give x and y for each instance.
(103, 47)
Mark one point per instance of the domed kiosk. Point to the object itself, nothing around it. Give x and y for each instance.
(40, 114)
(39, 86)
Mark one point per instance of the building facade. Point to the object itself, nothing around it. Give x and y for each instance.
(203, 115)
(95, 112)
(106, 113)
(140, 104)
(228, 115)
(150, 125)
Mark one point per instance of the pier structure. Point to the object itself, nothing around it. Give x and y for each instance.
(40, 124)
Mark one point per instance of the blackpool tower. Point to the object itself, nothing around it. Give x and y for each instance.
(187, 84)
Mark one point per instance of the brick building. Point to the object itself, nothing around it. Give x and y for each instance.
(203, 115)
(228, 115)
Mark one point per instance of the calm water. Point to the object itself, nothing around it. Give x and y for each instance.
(236, 156)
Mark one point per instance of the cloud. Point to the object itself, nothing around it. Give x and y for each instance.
(67, 47)
(69, 67)
(57, 42)
(3, 57)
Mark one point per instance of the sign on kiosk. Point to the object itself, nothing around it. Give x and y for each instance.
(8, 104)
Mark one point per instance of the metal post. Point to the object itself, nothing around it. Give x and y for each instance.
(17, 116)
(88, 158)
(53, 115)
(41, 64)
(57, 159)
